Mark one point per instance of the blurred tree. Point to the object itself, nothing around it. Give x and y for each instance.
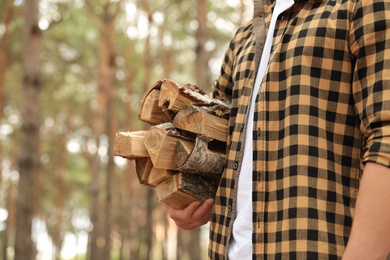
(202, 79)
(150, 40)
(105, 118)
(64, 174)
(5, 17)
(28, 160)
(148, 68)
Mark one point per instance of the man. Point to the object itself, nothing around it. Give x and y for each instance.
(318, 118)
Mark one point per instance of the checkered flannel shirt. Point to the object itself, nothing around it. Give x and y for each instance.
(322, 112)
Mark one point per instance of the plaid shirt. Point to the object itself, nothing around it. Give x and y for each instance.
(322, 112)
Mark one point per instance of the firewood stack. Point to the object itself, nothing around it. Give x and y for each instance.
(182, 155)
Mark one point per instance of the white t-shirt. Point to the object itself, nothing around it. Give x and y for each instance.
(241, 241)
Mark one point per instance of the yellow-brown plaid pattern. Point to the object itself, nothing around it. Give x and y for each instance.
(322, 112)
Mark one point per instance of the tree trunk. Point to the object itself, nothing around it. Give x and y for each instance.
(130, 188)
(104, 125)
(10, 222)
(180, 244)
(107, 69)
(60, 183)
(94, 250)
(3, 53)
(148, 54)
(202, 77)
(147, 76)
(202, 73)
(28, 161)
(167, 65)
(149, 222)
(3, 66)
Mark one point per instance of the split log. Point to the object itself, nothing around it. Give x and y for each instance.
(202, 120)
(149, 110)
(130, 145)
(174, 97)
(198, 158)
(181, 189)
(143, 167)
(160, 142)
(157, 176)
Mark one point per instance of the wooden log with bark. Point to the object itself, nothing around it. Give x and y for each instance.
(198, 158)
(175, 97)
(160, 142)
(181, 189)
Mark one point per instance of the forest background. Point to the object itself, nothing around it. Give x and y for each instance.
(72, 74)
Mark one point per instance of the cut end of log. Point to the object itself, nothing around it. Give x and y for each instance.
(202, 121)
(181, 189)
(150, 112)
(143, 167)
(157, 176)
(130, 145)
(169, 193)
(160, 142)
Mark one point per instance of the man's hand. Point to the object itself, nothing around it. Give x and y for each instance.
(194, 215)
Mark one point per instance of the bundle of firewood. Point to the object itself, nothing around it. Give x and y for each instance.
(182, 155)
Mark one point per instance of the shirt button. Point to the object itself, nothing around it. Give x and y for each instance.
(230, 207)
(242, 127)
(235, 166)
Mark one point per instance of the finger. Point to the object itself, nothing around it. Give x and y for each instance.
(201, 216)
(204, 210)
(184, 214)
(191, 208)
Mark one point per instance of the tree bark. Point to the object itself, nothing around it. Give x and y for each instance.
(28, 161)
(200, 160)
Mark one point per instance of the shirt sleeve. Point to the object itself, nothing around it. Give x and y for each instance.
(223, 85)
(370, 49)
